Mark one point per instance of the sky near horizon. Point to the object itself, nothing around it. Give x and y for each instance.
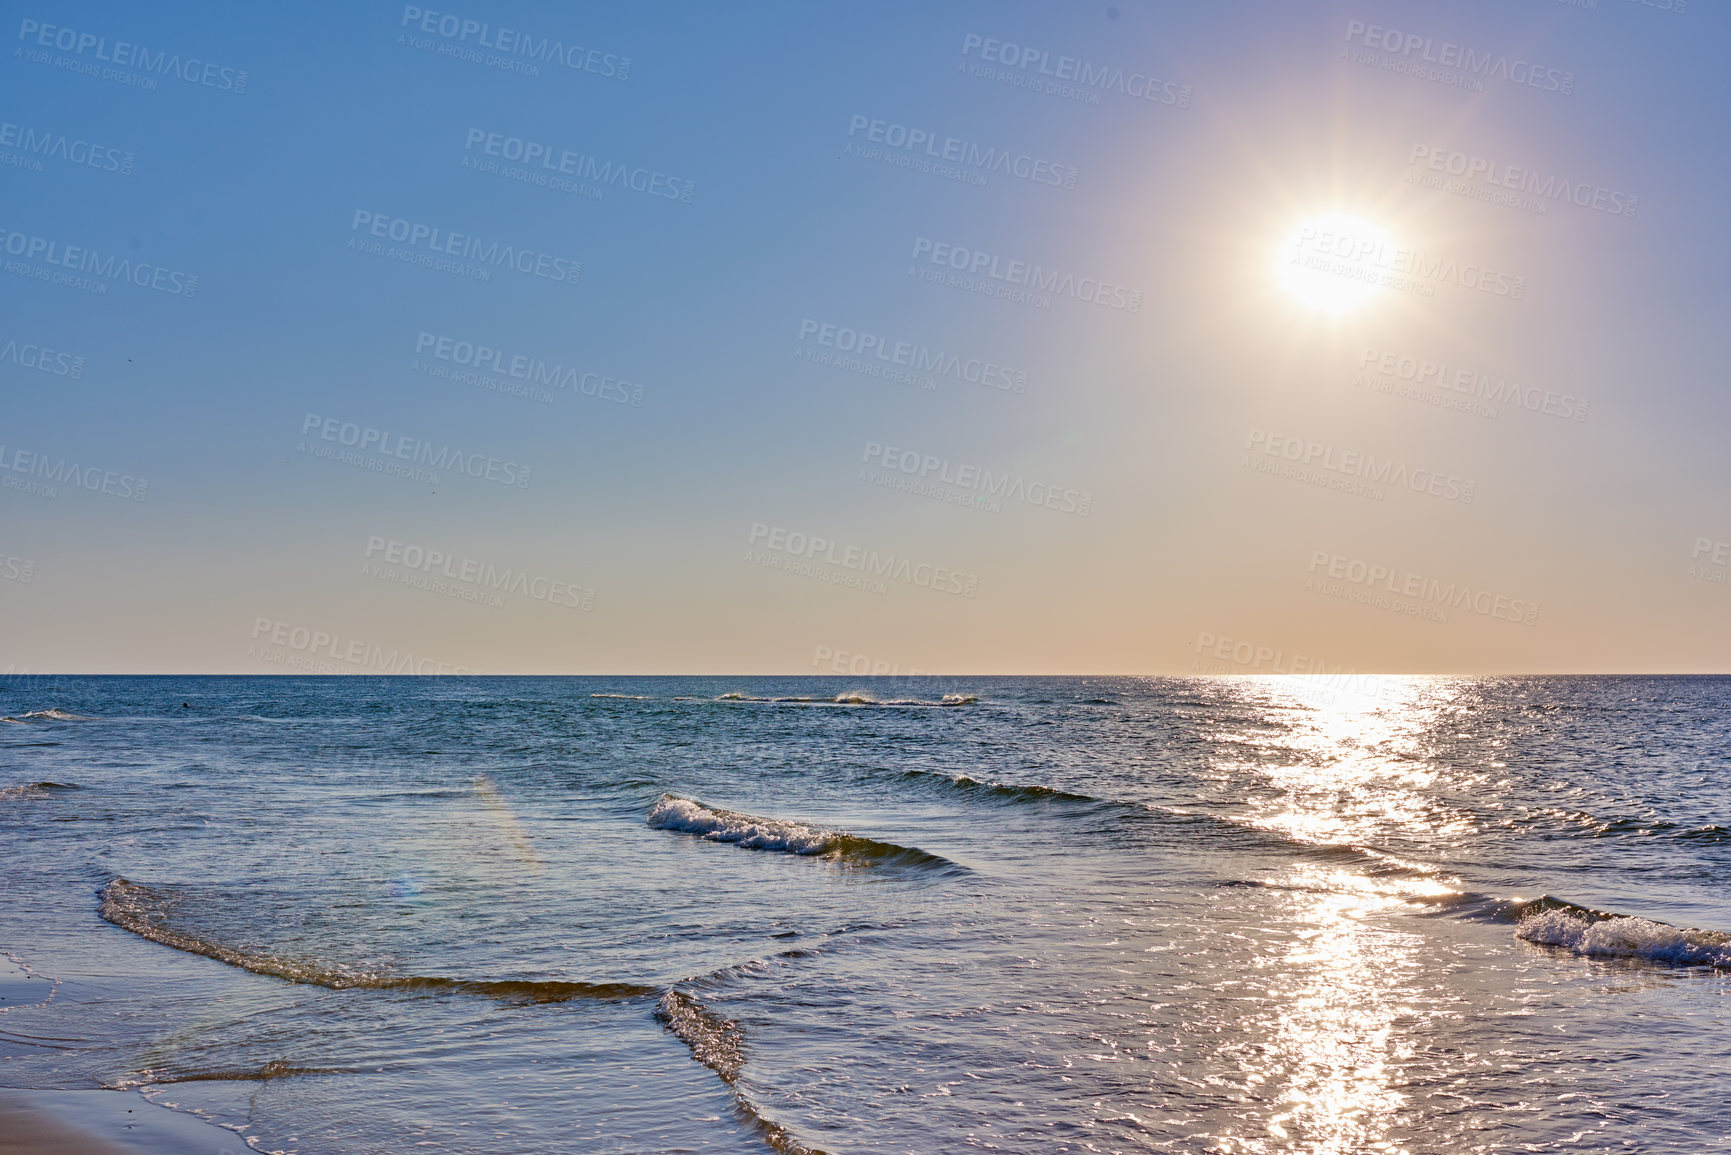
(858, 339)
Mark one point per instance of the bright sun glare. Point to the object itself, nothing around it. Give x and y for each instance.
(1333, 264)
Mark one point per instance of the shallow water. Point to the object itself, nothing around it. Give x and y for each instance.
(711, 914)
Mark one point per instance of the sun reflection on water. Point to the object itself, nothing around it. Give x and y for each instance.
(1337, 1026)
(1349, 767)
(1340, 1002)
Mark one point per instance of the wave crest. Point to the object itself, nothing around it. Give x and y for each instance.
(1593, 934)
(788, 837)
(1002, 791)
(51, 715)
(35, 789)
(845, 698)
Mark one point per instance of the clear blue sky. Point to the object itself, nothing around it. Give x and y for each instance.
(1154, 454)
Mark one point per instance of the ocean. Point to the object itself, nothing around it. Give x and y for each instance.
(1426, 914)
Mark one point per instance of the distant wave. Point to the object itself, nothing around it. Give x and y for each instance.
(34, 789)
(1581, 822)
(846, 698)
(777, 834)
(51, 715)
(146, 912)
(719, 1044)
(999, 790)
(1220, 832)
(1250, 834)
(1660, 828)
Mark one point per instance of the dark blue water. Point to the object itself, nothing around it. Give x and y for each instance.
(739, 914)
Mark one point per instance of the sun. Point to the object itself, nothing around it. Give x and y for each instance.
(1335, 264)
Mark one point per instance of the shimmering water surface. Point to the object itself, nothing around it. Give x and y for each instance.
(910, 915)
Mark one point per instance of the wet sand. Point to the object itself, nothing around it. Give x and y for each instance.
(104, 1123)
(27, 1129)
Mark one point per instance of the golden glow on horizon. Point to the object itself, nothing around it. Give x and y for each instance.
(1329, 263)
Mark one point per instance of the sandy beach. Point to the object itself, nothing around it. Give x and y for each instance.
(103, 1123)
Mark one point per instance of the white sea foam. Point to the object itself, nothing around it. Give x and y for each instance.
(670, 813)
(50, 714)
(1636, 938)
(34, 789)
(845, 698)
(754, 833)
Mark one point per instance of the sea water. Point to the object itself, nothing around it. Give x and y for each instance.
(877, 915)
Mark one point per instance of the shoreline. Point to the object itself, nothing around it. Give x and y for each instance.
(105, 1123)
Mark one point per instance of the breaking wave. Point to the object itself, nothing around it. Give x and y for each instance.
(1595, 934)
(51, 715)
(34, 789)
(755, 833)
(845, 698)
(146, 912)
